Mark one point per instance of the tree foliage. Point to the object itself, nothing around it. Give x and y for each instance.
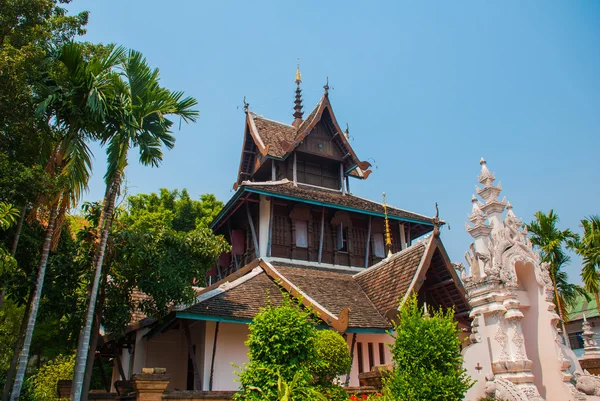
(550, 241)
(284, 357)
(427, 357)
(43, 385)
(588, 247)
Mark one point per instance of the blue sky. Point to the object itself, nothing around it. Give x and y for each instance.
(428, 88)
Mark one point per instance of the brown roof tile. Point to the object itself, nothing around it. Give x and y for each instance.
(335, 198)
(387, 282)
(279, 137)
(332, 289)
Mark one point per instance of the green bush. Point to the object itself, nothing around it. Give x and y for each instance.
(44, 383)
(426, 352)
(286, 352)
(333, 356)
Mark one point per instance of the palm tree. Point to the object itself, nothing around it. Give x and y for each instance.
(550, 241)
(137, 120)
(74, 102)
(588, 247)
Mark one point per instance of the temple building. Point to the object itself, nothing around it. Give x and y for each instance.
(295, 227)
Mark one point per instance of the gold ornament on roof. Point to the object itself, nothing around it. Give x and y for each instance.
(388, 234)
(298, 74)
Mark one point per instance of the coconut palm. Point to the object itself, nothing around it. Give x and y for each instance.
(137, 120)
(73, 99)
(551, 241)
(588, 247)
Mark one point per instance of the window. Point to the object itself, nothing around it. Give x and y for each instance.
(359, 357)
(378, 245)
(576, 340)
(371, 356)
(301, 234)
(381, 354)
(342, 238)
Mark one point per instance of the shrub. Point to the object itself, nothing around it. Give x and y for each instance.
(280, 349)
(333, 356)
(426, 352)
(43, 384)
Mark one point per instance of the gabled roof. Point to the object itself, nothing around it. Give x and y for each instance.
(324, 197)
(389, 282)
(332, 293)
(278, 140)
(344, 299)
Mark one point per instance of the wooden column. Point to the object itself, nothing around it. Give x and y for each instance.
(270, 230)
(402, 237)
(368, 245)
(343, 187)
(212, 362)
(408, 239)
(295, 171)
(351, 358)
(251, 223)
(237, 267)
(192, 355)
(322, 234)
(348, 184)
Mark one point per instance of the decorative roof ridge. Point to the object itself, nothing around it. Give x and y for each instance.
(297, 263)
(261, 183)
(417, 274)
(395, 256)
(442, 222)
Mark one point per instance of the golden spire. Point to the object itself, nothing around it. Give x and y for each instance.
(388, 234)
(298, 75)
(298, 113)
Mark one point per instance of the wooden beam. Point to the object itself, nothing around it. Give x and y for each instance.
(270, 241)
(295, 172)
(402, 237)
(342, 178)
(192, 355)
(441, 284)
(322, 234)
(273, 171)
(212, 362)
(347, 383)
(120, 367)
(237, 267)
(251, 222)
(368, 244)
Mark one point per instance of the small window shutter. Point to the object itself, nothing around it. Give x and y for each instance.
(378, 245)
(301, 234)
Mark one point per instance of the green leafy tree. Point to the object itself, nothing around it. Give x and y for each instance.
(427, 357)
(588, 247)
(137, 119)
(44, 383)
(290, 359)
(550, 241)
(75, 102)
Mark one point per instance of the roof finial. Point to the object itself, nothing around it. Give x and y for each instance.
(246, 105)
(298, 113)
(326, 86)
(347, 131)
(388, 234)
(436, 221)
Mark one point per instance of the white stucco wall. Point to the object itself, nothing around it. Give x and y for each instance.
(365, 339)
(230, 350)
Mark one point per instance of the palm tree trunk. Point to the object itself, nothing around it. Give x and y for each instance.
(561, 312)
(10, 375)
(35, 304)
(89, 367)
(84, 337)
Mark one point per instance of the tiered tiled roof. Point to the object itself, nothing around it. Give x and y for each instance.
(390, 279)
(333, 198)
(334, 289)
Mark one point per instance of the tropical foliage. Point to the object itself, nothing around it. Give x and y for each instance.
(44, 384)
(427, 357)
(283, 356)
(588, 247)
(551, 242)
